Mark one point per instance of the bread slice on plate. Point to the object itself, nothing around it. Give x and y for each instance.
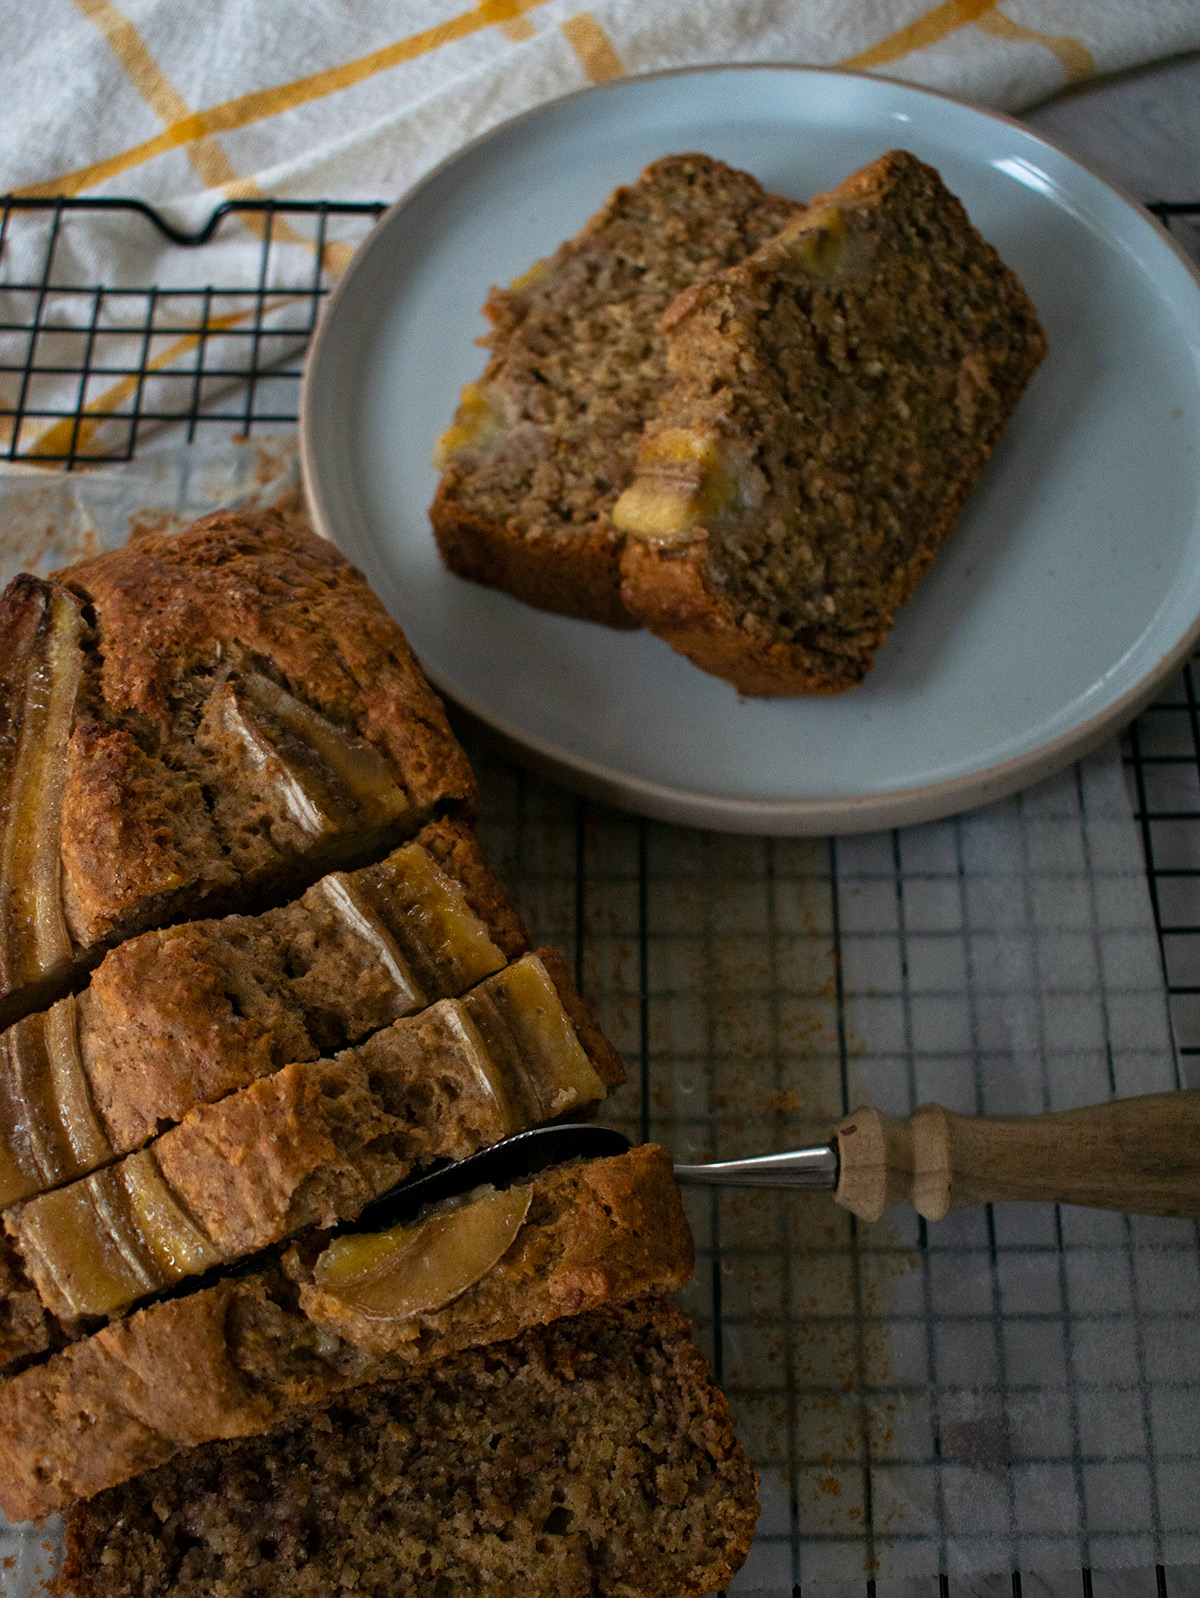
(194, 724)
(545, 441)
(832, 401)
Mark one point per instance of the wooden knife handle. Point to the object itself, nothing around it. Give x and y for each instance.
(1140, 1155)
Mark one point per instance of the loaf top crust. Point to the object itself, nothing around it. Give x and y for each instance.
(236, 715)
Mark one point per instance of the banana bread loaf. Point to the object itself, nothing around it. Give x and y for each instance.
(311, 1145)
(193, 724)
(236, 1358)
(181, 1017)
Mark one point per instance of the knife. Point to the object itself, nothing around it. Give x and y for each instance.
(1141, 1155)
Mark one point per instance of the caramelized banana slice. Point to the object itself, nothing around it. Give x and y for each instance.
(29, 1151)
(521, 1018)
(82, 1248)
(177, 1245)
(49, 1132)
(687, 479)
(412, 1270)
(327, 780)
(448, 944)
(479, 420)
(95, 1246)
(34, 941)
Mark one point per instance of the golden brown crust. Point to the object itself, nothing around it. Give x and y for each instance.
(244, 1166)
(666, 587)
(266, 583)
(290, 598)
(575, 574)
(170, 809)
(234, 1359)
(138, 842)
(162, 1028)
(136, 1393)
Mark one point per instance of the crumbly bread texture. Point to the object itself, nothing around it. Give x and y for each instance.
(589, 1459)
(832, 402)
(195, 723)
(237, 1358)
(24, 1328)
(309, 1146)
(180, 1017)
(546, 440)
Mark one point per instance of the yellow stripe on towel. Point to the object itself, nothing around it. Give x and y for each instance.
(919, 34)
(264, 103)
(1074, 56)
(593, 47)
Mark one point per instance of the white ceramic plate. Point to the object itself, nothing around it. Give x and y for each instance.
(1069, 589)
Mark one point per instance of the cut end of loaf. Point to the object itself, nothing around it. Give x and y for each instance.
(591, 1457)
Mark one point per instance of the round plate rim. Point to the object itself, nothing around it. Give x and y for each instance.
(841, 813)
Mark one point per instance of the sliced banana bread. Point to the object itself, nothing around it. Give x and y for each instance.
(546, 440)
(592, 1458)
(234, 1359)
(180, 1017)
(312, 1144)
(832, 402)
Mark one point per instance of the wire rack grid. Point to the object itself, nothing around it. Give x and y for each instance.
(657, 919)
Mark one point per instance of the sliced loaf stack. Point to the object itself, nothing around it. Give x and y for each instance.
(226, 721)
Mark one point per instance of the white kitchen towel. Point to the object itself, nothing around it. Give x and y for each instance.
(187, 105)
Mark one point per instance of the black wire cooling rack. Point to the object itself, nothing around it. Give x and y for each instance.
(91, 371)
(110, 363)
